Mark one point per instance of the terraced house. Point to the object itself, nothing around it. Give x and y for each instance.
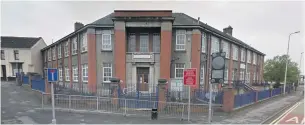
(141, 46)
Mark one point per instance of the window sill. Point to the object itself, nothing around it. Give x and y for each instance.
(106, 50)
(84, 51)
(74, 54)
(182, 51)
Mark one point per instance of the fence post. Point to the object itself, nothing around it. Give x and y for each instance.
(97, 102)
(42, 100)
(256, 96)
(69, 102)
(182, 111)
(125, 112)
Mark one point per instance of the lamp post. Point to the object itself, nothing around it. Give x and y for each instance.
(299, 76)
(285, 78)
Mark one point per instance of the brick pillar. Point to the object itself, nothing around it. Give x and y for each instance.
(162, 93)
(165, 53)
(228, 99)
(195, 54)
(120, 51)
(91, 60)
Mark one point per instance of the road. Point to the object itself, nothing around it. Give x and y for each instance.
(293, 115)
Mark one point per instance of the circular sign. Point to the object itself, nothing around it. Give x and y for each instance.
(218, 62)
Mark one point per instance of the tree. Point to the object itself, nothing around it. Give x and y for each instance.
(274, 69)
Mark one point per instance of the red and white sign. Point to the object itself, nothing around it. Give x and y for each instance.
(190, 76)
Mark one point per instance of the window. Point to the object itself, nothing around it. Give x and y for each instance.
(85, 72)
(49, 55)
(107, 72)
(132, 42)
(84, 42)
(214, 45)
(226, 48)
(16, 55)
(203, 43)
(180, 39)
(248, 77)
(242, 74)
(156, 42)
(67, 74)
(45, 56)
(74, 46)
(59, 51)
(226, 75)
(243, 55)
(254, 76)
(233, 75)
(106, 40)
(235, 52)
(60, 74)
(66, 49)
(179, 67)
(254, 58)
(75, 73)
(144, 43)
(248, 56)
(202, 75)
(2, 55)
(54, 53)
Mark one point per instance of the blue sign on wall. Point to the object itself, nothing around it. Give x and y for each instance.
(52, 75)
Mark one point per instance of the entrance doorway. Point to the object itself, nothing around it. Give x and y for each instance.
(143, 78)
(3, 72)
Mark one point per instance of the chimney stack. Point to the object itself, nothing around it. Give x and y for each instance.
(78, 25)
(228, 30)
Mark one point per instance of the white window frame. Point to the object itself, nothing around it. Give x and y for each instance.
(243, 55)
(74, 46)
(66, 49)
(143, 48)
(60, 74)
(107, 66)
(54, 53)
(248, 77)
(85, 72)
(179, 68)
(235, 52)
(49, 55)
(59, 51)
(67, 74)
(156, 42)
(226, 48)
(84, 42)
(242, 74)
(226, 72)
(215, 44)
(202, 74)
(233, 75)
(254, 58)
(181, 33)
(248, 56)
(105, 45)
(203, 43)
(75, 73)
(254, 76)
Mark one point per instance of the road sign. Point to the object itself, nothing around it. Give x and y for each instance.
(52, 75)
(218, 67)
(189, 76)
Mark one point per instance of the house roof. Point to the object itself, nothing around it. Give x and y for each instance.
(18, 42)
(181, 19)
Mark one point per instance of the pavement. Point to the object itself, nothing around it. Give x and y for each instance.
(21, 106)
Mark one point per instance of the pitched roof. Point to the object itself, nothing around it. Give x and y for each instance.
(18, 42)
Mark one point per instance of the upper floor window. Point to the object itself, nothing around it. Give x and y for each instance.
(226, 76)
(242, 74)
(75, 73)
(243, 55)
(107, 72)
(60, 74)
(2, 55)
(254, 58)
(235, 52)
(202, 75)
(66, 49)
(203, 43)
(226, 48)
(54, 53)
(180, 39)
(214, 45)
(144, 44)
(156, 42)
(131, 42)
(248, 56)
(179, 68)
(67, 73)
(84, 42)
(49, 55)
(106, 40)
(16, 54)
(85, 72)
(74, 46)
(59, 51)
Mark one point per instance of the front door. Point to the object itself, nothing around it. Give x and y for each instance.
(3, 72)
(143, 78)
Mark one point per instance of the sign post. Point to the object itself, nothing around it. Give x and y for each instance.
(52, 78)
(189, 79)
(217, 75)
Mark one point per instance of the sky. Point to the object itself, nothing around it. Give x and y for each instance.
(265, 25)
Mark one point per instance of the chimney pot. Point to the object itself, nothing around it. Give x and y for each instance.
(228, 30)
(78, 25)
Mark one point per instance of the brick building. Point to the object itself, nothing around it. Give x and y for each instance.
(141, 46)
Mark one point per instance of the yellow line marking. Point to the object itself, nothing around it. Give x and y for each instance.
(284, 114)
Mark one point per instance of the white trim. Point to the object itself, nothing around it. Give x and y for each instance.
(60, 74)
(74, 46)
(180, 69)
(203, 43)
(84, 42)
(107, 67)
(59, 51)
(67, 74)
(84, 75)
(75, 73)
(106, 46)
(180, 33)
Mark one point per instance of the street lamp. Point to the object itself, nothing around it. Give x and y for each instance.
(299, 76)
(285, 78)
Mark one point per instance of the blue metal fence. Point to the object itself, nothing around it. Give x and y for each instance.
(25, 80)
(263, 94)
(204, 96)
(38, 84)
(276, 91)
(244, 99)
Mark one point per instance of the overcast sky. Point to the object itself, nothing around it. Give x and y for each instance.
(263, 25)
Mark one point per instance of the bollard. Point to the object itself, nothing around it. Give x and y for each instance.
(42, 100)
(154, 114)
(97, 104)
